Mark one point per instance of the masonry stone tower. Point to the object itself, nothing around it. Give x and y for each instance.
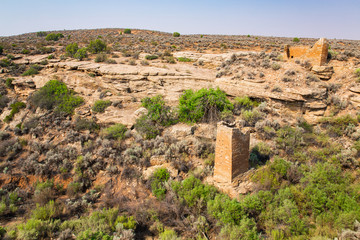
(231, 152)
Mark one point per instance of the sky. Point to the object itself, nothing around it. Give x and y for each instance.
(338, 19)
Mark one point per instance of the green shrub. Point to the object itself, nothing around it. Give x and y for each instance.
(116, 131)
(71, 49)
(85, 124)
(275, 66)
(224, 209)
(244, 103)
(151, 57)
(289, 139)
(245, 230)
(158, 111)
(55, 95)
(51, 56)
(194, 192)
(271, 176)
(8, 83)
(168, 234)
(184, 59)
(101, 57)
(176, 34)
(46, 212)
(147, 128)
(157, 180)
(25, 51)
(33, 70)
(97, 46)
(35, 229)
(81, 54)
(41, 34)
(106, 221)
(251, 117)
(203, 105)
(336, 126)
(1, 49)
(127, 31)
(54, 36)
(295, 39)
(101, 105)
(15, 108)
(357, 71)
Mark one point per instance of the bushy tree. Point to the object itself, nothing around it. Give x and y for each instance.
(176, 34)
(96, 46)
(81, 54)
(71, 49)
(204, 105)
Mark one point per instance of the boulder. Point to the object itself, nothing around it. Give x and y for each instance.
(323, 72)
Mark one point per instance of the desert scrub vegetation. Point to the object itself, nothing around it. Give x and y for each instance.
(184, 59)
(81, 54)
(206, 105)
(100, 106)
(15, 108)
(71, 49)
(33, 70)
(158, 116)
(357, 74)
(176, 34)
(116, 131)
(151, 57)
(54, 36)
(127, 31)
(55, 95)
(157, 180)
(97, 46)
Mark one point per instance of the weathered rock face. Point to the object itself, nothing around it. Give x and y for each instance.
(231, 153)
(316, 54)
(323, 72)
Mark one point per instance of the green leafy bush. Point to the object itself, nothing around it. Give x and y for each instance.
(251, 117)
(86, 124)
(151, 57)
(101, 105)
(336, 126)
(148, 128)
(158, 111)
(71, 49)
(168, 234)
(295, 39)
(204, 105)
(127, 31)
(1, 49)
(184, 59)
(54, 36)
(194, 192)
(158, 116)
(41, 34)
(101, 57)
(15, 108)
(244, 103)
(176, 34)
(116, 131)
(106, 221)
(97, 46)
(55, 95)
(8, 83)
(46, 212)
(33, 70)
(157, 180)
(81, 54)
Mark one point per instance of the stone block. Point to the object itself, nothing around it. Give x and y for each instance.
(231, 152)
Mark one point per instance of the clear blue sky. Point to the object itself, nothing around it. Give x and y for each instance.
(302, 18)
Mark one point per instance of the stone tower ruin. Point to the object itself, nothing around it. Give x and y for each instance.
(316, 54)
(231, 152)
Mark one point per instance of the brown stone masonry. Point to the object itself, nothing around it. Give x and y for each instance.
(231, 153)
(316, 54)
